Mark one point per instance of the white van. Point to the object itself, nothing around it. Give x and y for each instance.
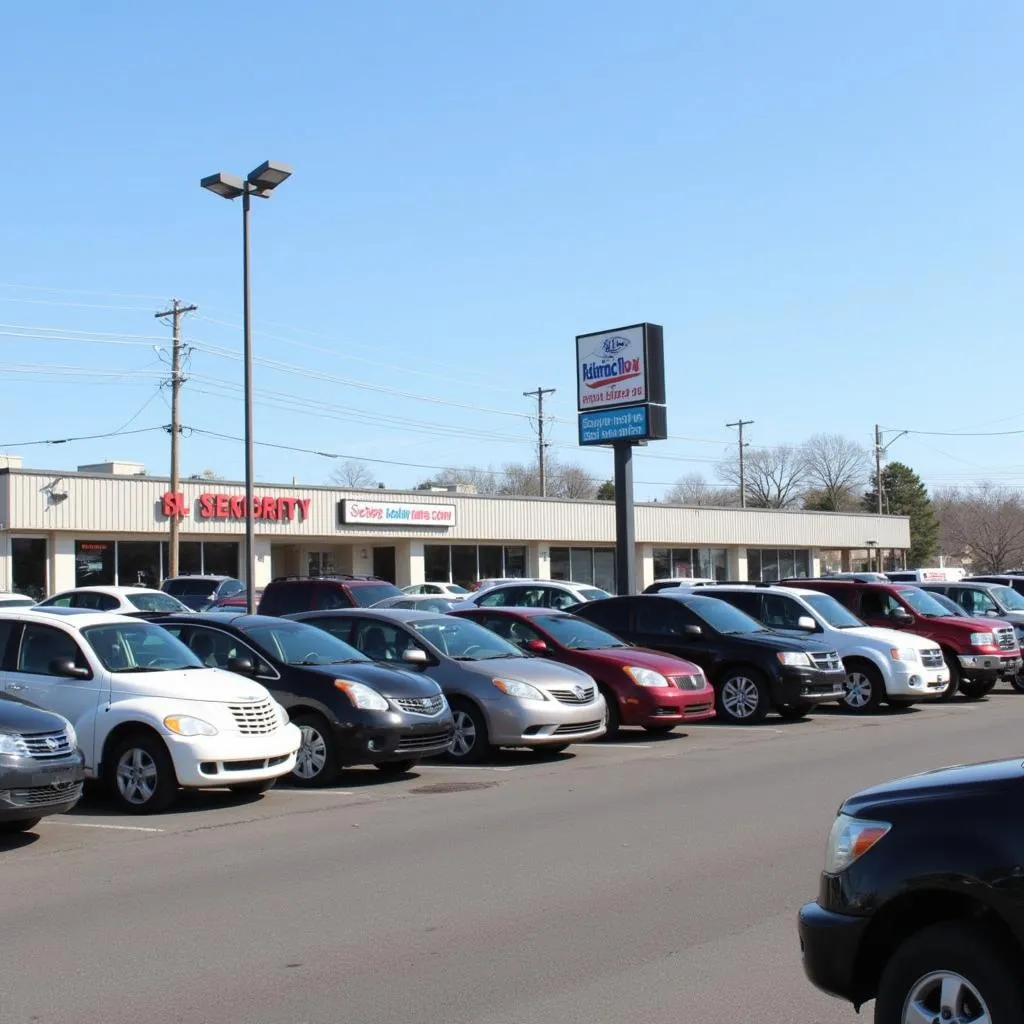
(926, 575)
(150, 717)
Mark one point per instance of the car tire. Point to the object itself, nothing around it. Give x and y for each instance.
(794, 712)
(660, 730)
(470, 743)
(864, 689)
(741, 697)
(1017, 682)
(141, 776)
(955, 676)
(396, 767)
(253, 788)
(25, 825)
(612, 719)
(977, 689)
(962, 953)
(316, 763)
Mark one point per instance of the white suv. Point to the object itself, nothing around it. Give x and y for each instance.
(559, 594)
(881, 664)
(150, 717)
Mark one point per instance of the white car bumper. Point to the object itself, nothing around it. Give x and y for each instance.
(912, 681)
(229, 759)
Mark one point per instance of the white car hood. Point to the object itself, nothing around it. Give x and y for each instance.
(209, 685)
(892, 637)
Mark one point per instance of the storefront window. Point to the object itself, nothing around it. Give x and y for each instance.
(515, 562)
(459, 563)
(768, 564)
(489, 562)
(560, 564)
(138, 562)
(318, 563)
(595, 566)
(94, 562)
(464, 564)
(604, 569)
(436, 564)
(220, 558)
(685, 563)
(28, 566)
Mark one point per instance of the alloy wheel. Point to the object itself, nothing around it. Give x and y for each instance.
(136, 776)
(858, 690)
(947, 997)
(740, 696)
(312, 755)
(464, 737)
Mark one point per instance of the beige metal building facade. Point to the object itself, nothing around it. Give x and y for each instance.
(110, 524)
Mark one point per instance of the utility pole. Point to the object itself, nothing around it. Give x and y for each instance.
(541, 446)
(743, 469)
(878, 466)
(176, 312)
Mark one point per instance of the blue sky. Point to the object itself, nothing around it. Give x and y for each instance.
(819, 202)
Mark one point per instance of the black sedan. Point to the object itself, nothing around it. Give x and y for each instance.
(350, 710)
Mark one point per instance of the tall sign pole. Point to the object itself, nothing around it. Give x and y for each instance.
(621, 402)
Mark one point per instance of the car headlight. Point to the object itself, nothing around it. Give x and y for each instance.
(982, 639)
(794, 658)
(904, 654)
(362, 696)
(72, 736)
(185, 725)
(645, 676)
(12, 743)
(282, 715)
(520, 690)
(850, 839)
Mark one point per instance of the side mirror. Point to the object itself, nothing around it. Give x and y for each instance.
(67, 668)
(902, 615)
(805, 622)
(537, 646)
(694, 631)
(241, 666)
(415, 656)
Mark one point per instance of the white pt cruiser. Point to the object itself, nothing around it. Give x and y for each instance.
(149, 716)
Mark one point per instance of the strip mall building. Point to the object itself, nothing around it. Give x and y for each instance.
(109, 523)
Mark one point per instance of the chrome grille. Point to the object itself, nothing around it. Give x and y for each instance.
(572, 730)
(580, 695)
(41, 796)
(255, 719)
(932, 658)
(829, 661)
(46, 746)
(421, 705)
(425, 741)
(1005, 639)
(689, 682)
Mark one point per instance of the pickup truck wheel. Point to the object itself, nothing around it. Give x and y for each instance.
(865, 688)
(742, 697)
(316, 763)
(141, 777)
(1017, 682)
(949, 972)
(955, 676)
(794, 712)
(975, 689)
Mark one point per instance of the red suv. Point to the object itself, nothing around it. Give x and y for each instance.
(640, 687)
(285, 595)
(977, 651)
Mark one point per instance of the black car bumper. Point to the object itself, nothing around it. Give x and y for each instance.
(829, 943)
(30, 789)
(809, 685)
(378, 738)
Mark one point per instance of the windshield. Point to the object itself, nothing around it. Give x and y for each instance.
(295, 643)
(138, 647)
(454, 588)
(723, 617)
(1009, 598)
(833, 612)
(464, 640)
(593, 594)
(154, 601)
(923, 603)
(577, 634)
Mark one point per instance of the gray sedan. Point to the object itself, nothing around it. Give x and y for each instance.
(499, 696)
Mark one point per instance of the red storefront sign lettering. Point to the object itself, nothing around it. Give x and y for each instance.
(232, 506)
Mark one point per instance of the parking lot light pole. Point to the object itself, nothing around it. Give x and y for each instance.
(260, 182)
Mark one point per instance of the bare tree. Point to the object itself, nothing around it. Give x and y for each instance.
(354, 474)
(837, 469)
(693, 489)
(573, 482)
(775, 477)
(984, 524)
(483, 481)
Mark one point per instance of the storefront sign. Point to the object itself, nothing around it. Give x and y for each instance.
(621, 367)
(396, 513)
(604, 426)
(232, 506)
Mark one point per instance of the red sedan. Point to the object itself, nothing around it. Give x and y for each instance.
(641, 687)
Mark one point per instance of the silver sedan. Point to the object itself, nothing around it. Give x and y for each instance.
(499, 696)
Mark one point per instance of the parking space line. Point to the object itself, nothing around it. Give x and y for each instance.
(322, 792)
(116, 828)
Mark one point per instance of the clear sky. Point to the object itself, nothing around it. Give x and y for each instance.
(820, 202)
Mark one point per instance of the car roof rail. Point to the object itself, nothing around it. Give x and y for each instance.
(327, 576)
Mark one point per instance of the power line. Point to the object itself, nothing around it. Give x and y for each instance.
(741, 423)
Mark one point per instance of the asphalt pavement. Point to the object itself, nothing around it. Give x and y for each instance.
(649, 881)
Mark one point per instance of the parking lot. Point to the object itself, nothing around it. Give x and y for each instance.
(648, 880)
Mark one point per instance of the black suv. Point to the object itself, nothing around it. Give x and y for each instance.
(200, 592)
(350, 710)
(285, 595)
(752, 669)
(919, 906)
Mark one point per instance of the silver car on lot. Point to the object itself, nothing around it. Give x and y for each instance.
(499, 696)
